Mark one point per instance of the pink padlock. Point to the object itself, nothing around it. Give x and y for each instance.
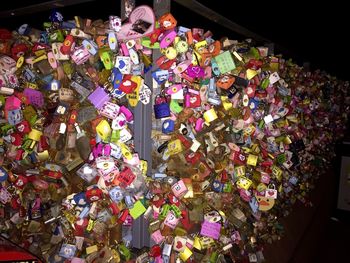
(179, 189)
(264, 178)
(167, 38)
(195, 71)
(124, 49)
(199, 125)
(127, 113)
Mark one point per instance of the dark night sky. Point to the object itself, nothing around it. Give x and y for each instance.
(318, 34)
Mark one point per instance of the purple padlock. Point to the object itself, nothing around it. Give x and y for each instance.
(195, 71)
(35, 97)
(99, 97)
(161, 107)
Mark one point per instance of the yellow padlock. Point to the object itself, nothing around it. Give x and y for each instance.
(277, 172)
(143, 166)
(20, 62)
(210, 115)
(244, 182)
(104, 130)
(91, 249)
(90, 225)
(170, 53)
(261, 187)
(201, 44)
(174, 147)
(251, 73)
(252, 159)
(35, 135)
(186, 254)
(125, 151)
(226, 103)
(197, 243)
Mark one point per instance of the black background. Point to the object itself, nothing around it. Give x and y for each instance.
(308, 32)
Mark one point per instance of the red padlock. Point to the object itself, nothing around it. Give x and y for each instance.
(158, 201)
(123, 215)
(254, 64)
(23, 127)
(173, 199)
(21, 181)
(224, 176)
(192, 157)
(16, 202)
(73, 117)
(43, 144)
(184, 141)
(127, 86)
(94, 194)
(68, 45)
(18, 51)
(155, 251)
(19, 155)
(113, 208)
(239, 158)
(185, 220)
(125, 177)
(154, 36)
(16, 139)
(53, 174)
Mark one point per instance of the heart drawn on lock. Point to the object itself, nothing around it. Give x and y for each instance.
(20, 128)
(121, 64)
(271, 193)
(141, 23)
(179, 245)
(87, 170)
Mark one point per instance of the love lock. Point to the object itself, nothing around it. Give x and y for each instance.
(271, 191)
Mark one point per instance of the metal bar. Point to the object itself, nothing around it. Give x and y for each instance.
(142, 134)
(40, 7)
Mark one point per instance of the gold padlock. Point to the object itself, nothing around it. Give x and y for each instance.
(210, 115)
(35, 135)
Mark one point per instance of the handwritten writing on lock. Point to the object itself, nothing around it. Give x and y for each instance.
(211, 230)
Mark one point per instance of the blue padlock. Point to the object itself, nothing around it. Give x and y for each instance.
(116, 194)
(161, 108)
(80, 199)
(3, 175)
(168, 126)
(217, 186)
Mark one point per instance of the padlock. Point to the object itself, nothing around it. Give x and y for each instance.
(94, 194)
(161, 108)
(271, 191)
(104, 130)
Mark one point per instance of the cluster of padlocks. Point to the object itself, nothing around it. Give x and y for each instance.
(238, 136)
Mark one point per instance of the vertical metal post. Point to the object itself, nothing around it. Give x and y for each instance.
(142, 135)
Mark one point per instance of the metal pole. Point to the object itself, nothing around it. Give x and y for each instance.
(142, 134)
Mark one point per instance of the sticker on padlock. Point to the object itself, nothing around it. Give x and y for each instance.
(67, 251)
(271, 191)
(87, 172)
(123, 64)
(179, 189)
(244, 182)
(171, 220)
